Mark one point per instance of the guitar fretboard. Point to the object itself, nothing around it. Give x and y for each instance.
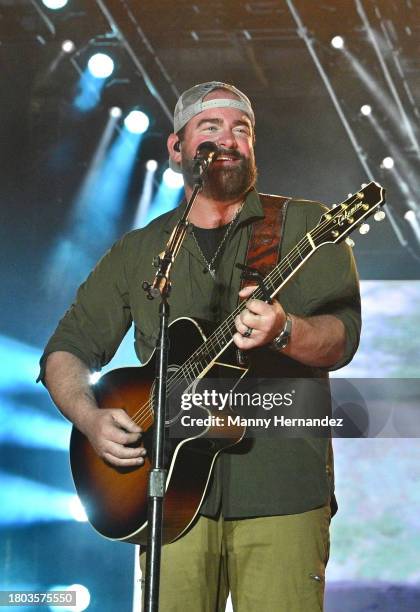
(217, 342)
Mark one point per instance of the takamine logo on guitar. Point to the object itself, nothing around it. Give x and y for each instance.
(348, 214)
(115, 499)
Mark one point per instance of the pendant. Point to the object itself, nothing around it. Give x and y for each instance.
(212, 272)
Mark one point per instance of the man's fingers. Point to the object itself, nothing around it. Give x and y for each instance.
(131, 438)
(123, 452)
(243, 328)
(123, 462)
(121, 418)
(242, 342)
(121, 437)
(247, 291)
(250, 320)
(258, 307)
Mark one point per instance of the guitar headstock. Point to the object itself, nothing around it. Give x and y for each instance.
(343, 219)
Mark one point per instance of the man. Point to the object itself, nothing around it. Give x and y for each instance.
(262, 532)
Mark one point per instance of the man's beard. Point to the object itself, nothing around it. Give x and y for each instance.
(224, 183)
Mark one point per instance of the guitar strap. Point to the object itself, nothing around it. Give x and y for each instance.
(266, 235)
(265, 242)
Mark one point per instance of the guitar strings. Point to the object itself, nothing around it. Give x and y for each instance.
(228, 325)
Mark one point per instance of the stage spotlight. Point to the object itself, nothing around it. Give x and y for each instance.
(167, 197)
(136, 122)
(173, 180)
(366, 109)
(93, 378)
(143, 207)
(82, 597)
(54, 4)
(100, 66)
(412, 219)
(28, 427)
(337, 42)
(388, 163)
(26, 502)
(68, 46)
(115, 112)
(151, 165)
(77, 510)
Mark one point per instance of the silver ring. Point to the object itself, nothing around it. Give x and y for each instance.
(247, 333)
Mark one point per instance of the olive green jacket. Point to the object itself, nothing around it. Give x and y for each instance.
(265, 476)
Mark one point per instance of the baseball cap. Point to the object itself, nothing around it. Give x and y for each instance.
(191, 103)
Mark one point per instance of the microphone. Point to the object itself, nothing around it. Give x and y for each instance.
(204, 156)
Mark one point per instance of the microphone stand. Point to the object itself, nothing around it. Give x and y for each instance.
(161, 286)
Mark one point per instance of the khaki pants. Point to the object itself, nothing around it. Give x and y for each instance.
(270, 564)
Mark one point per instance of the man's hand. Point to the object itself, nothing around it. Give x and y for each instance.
(112, 432)
(265, 320)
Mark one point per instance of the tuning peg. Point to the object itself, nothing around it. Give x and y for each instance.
(350, 242)
(379, 215)
(364, 228)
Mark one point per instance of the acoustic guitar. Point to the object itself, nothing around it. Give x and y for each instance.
(115, 499)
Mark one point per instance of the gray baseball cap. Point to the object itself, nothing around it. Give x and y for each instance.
(191, 103)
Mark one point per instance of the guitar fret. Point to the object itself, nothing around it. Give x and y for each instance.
(298, 251)
(308, 246)
(287, 263)
(268, 283)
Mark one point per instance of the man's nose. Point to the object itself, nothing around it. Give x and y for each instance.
(227, 140)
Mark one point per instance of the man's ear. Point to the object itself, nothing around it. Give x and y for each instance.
(174, 148)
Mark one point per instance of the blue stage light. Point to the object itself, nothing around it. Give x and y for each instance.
(151, 165)
(337, 42)
(101, 66)
(98, 208)
(89, 91)
(82, 597)
(136, 122)
(68, 46)
(146, 194)
(77, 510)
(54, 4)
(115, 112)
(388, 163)
(26, 501)
(173, 180)
(167, 196)
(93, 378)
(32, 428)
(19, 367)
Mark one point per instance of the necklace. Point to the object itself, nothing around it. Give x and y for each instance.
(210, 264)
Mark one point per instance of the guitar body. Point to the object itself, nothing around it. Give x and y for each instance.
(115, 499)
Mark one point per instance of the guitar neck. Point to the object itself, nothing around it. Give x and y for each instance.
(333, 226)
(217, 342)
